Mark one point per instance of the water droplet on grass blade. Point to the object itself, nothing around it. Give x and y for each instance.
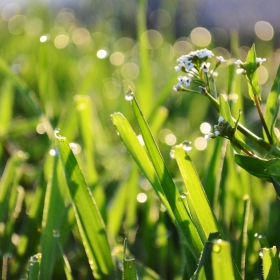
(56, 233)
(261, 253)
(53, 152)
(187, 146)
(172, 153)
(216, 248)
(129, 95)
(184, 195)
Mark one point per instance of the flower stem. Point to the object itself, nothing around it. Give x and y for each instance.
(262, 119)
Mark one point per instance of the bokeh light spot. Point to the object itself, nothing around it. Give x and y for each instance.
(205, 128)
(160, 18)
(44, 38)
(141, 197)
(170, 139)
(263, 74)
(264, 30)
(61, 41)
(17, 24)
(200, 143)
(130, 70)
(154, 38)
(41, 128)
(117, 58)
(102, 54)
(80, 36)
(201, 36)
(9, 11)
(182, 47)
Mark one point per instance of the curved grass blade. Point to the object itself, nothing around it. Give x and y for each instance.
(261, 168)
(139, 154)
(272, 107)
(206, 222)
(270, 265)
(90, 223)
(171, 192)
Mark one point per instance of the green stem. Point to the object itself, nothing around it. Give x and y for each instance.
(250, 135)
(262, 119)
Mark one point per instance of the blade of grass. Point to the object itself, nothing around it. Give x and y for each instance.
(34, 267)
(206, 220)
(90, 223)
(270, 265)
(140, 156)
(9, 178)
(54, 212)
(272, 107)
(171, 192)
(241, 255)
(85, 121)
(129, 266)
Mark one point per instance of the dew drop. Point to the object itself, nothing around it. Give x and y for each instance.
(256, 234)
(261, 254)
(129, 95)
(172, 153)
(53, 152)
(184, 195)
(216, 248)
(187, 146)
(56, 233)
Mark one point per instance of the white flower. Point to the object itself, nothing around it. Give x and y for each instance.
(214, 73)
(205, 66)
(220, 59)
(178, 68)
(220, 119)
(260, 60)
(207, 137)
(238, 62)
(204, 53)
(186, 81)
(188, 64)
(240, 71)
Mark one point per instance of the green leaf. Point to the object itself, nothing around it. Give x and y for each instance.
(54, 213)
(171, 192)
(34, 267)
(139, 154)
(225, 111)
(216, 262)
(129, 266)
(205, 222)
(90, 223)
(252, 74)
(261, 168)
(272, 107)
(270, 266)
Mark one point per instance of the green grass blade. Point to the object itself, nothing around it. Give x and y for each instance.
(216, 262)
(9, 178)
(34, 267)
(206, 220)
(54, 212)
(272, 107)
(85, 122)
(270, 265)
(139, 154)
(129, 266)
(171, 192)
(241, 255)
(90, 223)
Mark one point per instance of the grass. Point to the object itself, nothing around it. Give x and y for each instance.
(86, 202)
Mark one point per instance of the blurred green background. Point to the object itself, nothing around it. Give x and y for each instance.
(57, 51)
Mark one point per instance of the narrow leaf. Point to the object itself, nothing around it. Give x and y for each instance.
(272, 107)
(261, 168)
(172, 194)
(90, 223)
(207, 222)
(270, 265)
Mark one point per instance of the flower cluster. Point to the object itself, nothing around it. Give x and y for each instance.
(242, 65)
(223, 128)
(196, 66)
